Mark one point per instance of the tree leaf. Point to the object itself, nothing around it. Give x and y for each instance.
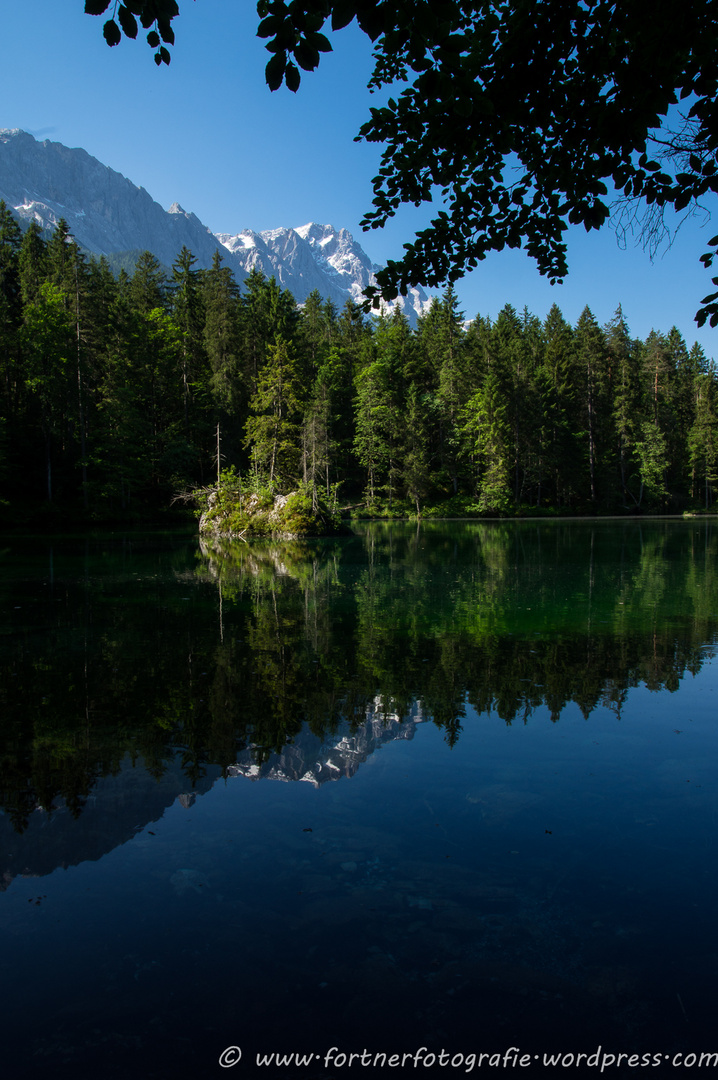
(269, 26)
(306, 56)
(371, 21)
(292, 77)
(96, 7)
(153, 39)
(111, 32)
(342, 14)
(274, 71)
(320, 42)
(127, 21)
(166, 32)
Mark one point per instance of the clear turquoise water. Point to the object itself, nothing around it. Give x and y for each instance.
(451, 788)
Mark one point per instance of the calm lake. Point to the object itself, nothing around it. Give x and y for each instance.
(416, 795)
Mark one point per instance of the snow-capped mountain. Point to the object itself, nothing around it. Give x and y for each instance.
(314, 257)
(109, 215)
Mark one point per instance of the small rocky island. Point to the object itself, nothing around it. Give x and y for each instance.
(227, 511)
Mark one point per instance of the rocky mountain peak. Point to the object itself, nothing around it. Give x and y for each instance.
(109, 215)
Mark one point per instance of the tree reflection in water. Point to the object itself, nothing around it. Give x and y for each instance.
(170, 655)
(515, 876)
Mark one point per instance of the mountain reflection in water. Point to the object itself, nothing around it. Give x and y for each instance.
(518, 852)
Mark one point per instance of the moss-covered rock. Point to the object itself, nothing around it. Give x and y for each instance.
(230, 513)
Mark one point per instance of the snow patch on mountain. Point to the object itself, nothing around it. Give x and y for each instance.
(108, 214)
(315, 256)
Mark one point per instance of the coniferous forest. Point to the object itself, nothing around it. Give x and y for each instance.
(117, 391)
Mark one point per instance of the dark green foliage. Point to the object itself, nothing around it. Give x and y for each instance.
(266, 311)
(118, 393)
(307, 512)
(273, 428)
(157, 14)
(527, 115)
(593, 389)
(254, 508)
(148, 284)
(32, 262)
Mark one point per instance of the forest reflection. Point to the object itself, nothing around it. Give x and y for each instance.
(202, 654)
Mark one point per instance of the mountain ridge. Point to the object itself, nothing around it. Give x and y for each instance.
(109, 215)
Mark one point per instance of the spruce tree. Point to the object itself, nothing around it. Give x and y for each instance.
(148, 285)
(10, 302)
(625, 373)
(10, 320)
(10, 295)
(187, 312)
(592, 369)
(442, 340)
(375, 421)
(32, 262)
(273, 428)
(267, 311)
(59, 269)
(487, 426)
(47, 350)
(221, 342)
(558, 398)
(703, 439)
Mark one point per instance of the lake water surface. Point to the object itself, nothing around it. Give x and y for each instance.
(429, 791)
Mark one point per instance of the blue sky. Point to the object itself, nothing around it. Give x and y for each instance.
(207, 133)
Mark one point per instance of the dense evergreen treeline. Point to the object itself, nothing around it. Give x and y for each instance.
(115, 391)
